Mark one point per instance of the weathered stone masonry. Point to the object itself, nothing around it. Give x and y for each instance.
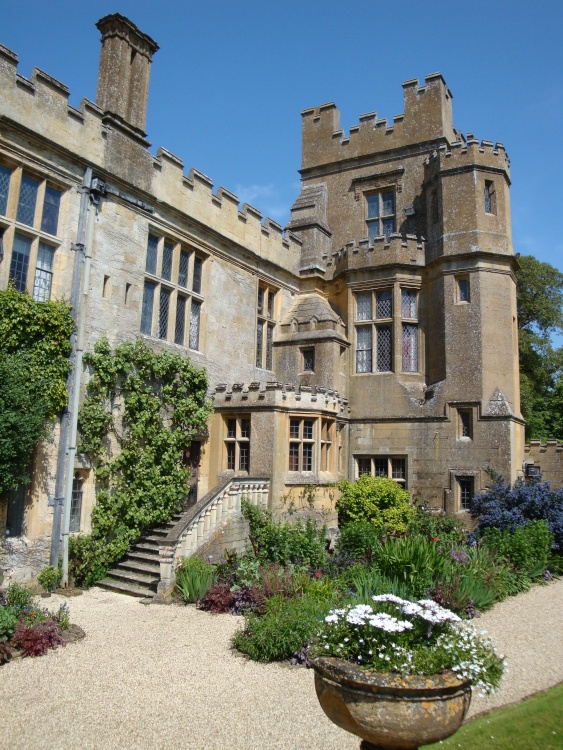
(377, 332)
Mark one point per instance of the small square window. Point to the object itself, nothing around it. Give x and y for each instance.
(309, 360)
(465, 424)
(462, 289)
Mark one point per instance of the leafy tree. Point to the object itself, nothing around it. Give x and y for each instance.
(539, 293)
(141, 412)
(34, 364)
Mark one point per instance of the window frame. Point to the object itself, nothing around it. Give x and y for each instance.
(382, 218)
(31, 228)
(265, 325)
(464, 494)
(391, 466)
(176, 270)
(238, 431)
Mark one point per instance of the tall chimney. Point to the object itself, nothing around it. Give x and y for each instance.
(123, 78)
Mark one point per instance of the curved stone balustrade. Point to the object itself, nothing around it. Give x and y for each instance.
(201, 521)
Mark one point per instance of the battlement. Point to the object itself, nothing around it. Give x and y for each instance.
(258, 395)
(468, 153)
(40, 105)
(393, 250)
(427, 116)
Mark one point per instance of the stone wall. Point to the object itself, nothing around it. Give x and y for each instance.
(549, 456)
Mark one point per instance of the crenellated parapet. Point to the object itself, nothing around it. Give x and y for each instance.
(275, 395)
(40, 105)
(427, 117)
(396, 249)
(467, 154)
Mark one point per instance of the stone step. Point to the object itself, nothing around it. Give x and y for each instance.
(151, 567)
(123, 587)
(144, 557)
(160, 533)
(155, 538)
(146, 547)
(137, 579)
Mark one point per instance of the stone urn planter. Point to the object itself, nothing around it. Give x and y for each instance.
(389, 710)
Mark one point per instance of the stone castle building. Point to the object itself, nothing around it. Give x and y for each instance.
(376, 333)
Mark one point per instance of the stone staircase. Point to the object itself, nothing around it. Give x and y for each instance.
(139, 571)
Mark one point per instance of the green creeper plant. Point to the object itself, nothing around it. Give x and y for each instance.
(141, 412)
(34, 364)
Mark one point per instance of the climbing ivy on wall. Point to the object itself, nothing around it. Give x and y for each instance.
(141, 412)
(34, 364)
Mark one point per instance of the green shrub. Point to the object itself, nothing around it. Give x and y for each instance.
(359, 538)
(437, 526)
(49, 578)
(193, 579)
(282, 542)
(18, 597)
(286, 625)
(377, 499)
(8, 622)
(527, 548)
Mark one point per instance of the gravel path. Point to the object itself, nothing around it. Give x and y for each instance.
(164, 677)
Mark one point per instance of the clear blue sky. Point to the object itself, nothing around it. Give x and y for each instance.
(231, 78)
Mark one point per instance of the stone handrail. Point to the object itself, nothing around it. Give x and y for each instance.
(201, 521)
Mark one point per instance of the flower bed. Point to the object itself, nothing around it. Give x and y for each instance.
(27, 629)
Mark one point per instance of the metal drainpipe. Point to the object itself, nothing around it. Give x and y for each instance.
(77, 376)
(65, 417)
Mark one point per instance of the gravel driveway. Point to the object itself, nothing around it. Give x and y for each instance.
(164, 677)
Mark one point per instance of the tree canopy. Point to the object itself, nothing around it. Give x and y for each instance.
(540, 315)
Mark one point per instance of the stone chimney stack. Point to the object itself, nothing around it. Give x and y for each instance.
(123, 78)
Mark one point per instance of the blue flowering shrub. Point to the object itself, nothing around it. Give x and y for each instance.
(507, 508)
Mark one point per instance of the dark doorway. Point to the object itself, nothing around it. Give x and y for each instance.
(16, 505)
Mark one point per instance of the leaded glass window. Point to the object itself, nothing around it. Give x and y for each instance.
(167, 255)
(198, 267)
(43, 273)
(180, 327)
(147, 307)
(194, 324)
(384, 348)
(76, 503)
(380, 215)
(265, 327)
(392, 467)
(410, 348)
(19, 265)
(27, 200)
(269, 346)
(384, 304)
(163, 310)
(259, 342)
(152, 254)
(363, 349)
(183, 269)
(5, 175)
(51, 205)
(363, 306)
(408, 303)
